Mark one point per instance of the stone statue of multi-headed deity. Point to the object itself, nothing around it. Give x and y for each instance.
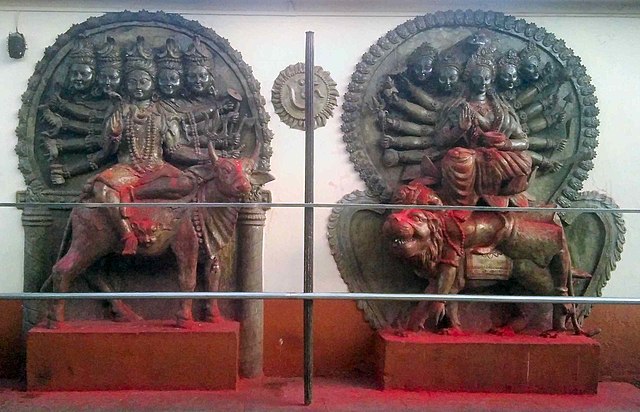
(164, 112)
(472, 109)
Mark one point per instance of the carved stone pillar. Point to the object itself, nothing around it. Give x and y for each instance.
(249, 267)
(37, 262)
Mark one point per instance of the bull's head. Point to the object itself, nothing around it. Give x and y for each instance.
(233, 176)
(414, 234)
(236, 177)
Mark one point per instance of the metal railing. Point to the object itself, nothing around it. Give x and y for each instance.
(310, 296)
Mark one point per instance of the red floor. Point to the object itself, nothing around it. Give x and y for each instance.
(329, 395)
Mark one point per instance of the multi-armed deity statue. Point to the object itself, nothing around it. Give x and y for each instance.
(471, 109)
(166, 112)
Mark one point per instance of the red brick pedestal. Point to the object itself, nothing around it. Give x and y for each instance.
(151, 355)
(487, 363)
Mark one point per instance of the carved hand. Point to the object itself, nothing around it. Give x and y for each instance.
(550, 166)
(465, 120)
(561, 145)
(115, 125)
(386, 142)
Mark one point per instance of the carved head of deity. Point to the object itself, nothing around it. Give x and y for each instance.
(139, 85)
(140, 71)
(169, 82)
(198, 70)
(448, 69)
(530, 63)
(169, 69)
(507, 73)
(82, 68)
(109, 65)
(420, 63)
(480, 73)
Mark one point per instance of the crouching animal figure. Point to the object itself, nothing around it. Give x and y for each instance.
(458, 251)
(192, 234)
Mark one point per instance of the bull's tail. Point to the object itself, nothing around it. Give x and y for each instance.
(64, 246)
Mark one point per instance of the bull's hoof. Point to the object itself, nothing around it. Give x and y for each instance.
(402, 333)
(452, 332)
(125, 314)
(214, 318)
(552, 333)
(186, 323)
(503, 331)
(55, 324)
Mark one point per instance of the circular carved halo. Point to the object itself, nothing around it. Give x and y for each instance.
(157, 26)
(362, 135)
(287, 96)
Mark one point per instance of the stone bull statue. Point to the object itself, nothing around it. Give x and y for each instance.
(459, 250)
(193, 234)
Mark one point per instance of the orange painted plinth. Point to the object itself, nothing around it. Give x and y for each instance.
(151, 355)
(487, 363)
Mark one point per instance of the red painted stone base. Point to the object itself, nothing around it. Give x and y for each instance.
(151, 355)
(487, 363)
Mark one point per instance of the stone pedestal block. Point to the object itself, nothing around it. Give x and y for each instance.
(487, 363)
(149, 355)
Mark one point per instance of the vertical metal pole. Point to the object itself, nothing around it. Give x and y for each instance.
(309, 124)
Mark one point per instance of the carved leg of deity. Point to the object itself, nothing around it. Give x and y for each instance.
(186, 252)
(169, 188)
(459, 177)
(212, 284)
(105, 194)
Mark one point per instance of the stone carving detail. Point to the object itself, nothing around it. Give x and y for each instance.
(288, 94)
(133, 107)
(471, 108)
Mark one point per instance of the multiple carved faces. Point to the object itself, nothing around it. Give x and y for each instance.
(442, 70)
(98, 70)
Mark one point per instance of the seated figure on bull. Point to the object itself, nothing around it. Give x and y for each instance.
(142, 134)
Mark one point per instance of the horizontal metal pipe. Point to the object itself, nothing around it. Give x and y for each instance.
(324, 296)
(318, 205)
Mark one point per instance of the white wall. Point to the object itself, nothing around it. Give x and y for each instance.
(272, 41)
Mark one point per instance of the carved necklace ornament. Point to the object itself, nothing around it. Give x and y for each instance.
(470, 108)
(288, 96)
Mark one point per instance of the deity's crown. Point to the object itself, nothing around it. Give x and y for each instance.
(424, 50)
(445, 60)
(196, 56)
(482, 58)
(139, 57)
(108, 54)
(530, 53)
(82, 52)
(510, 58)
(169, 56)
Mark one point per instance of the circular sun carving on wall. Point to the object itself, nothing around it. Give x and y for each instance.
(288, 95)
